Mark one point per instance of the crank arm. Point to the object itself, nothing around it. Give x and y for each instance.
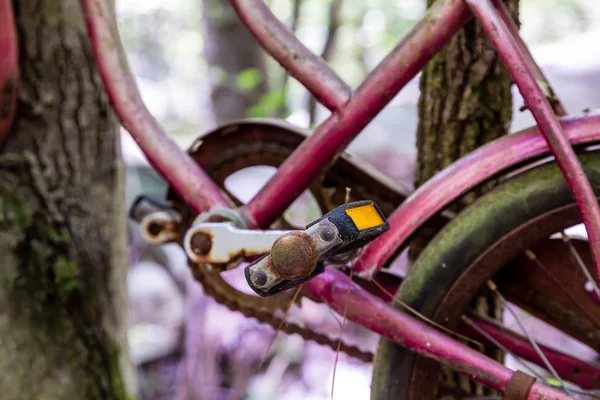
(159, 222)
(298, 256)
(223, 242)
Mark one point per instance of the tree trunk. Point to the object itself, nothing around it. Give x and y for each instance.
(465, 102)
(62, 221)
(230, 49)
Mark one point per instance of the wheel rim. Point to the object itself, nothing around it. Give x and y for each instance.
(501, 262)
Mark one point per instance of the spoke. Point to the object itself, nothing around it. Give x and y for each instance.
(337, 352)
(580, 263)
(546, 283)
(424, 318)
(499, 345)
(593, 393)
(494, 288)
(531, 255)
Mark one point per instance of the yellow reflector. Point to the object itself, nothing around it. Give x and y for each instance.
(364, 217)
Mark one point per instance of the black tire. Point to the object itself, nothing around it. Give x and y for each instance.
(474, 231)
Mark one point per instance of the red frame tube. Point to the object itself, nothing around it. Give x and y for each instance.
(542, 111)
(331, 287)
(317, 152)
(570, 368)
(9, 68)
(463, 175)
(309, 69)
(182, 173)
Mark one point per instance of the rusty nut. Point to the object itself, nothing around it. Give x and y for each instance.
(293, 256)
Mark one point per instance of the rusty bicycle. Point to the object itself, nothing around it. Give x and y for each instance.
(511, 241)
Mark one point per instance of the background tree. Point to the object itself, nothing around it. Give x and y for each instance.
(62, 221)
(465, 102)
(236, 62)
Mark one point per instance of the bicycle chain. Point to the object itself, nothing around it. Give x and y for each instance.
(238, 146)
(216, 287)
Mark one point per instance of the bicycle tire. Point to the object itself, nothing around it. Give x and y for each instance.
(503, 210)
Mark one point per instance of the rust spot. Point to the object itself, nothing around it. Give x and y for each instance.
(201, 243)
(294, 256)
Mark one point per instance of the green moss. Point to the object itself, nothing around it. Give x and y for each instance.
(55, 235)
(15, 212)
(66, 276)
(116, 377)
(51, 7)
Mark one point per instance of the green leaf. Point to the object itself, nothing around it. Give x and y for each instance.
(268, 104)
(248, 79)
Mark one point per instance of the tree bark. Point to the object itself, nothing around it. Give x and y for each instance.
(62, 221)
(465, 102)
(230, 49)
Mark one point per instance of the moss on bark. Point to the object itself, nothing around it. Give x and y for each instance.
(62, 226)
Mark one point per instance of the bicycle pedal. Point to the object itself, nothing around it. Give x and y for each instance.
(298, 256)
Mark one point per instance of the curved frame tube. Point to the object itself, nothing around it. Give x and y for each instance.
(182, 173)
(466, 173)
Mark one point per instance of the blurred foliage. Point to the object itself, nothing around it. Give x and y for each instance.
(550, 20)
(248, 79)
(268, 104)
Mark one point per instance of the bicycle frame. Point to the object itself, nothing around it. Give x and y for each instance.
(351, 112)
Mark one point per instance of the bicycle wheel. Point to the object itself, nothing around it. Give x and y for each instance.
(486, 241)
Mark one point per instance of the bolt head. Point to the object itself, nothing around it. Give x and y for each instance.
(327, 233)
(259, 278)
(201, 243)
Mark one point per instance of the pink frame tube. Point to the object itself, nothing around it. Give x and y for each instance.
(182, 173)
(317, 152)
(9, 68)
(542, 111)
(570, 368)
(310, 70)
(463, 175)
(331, 287)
